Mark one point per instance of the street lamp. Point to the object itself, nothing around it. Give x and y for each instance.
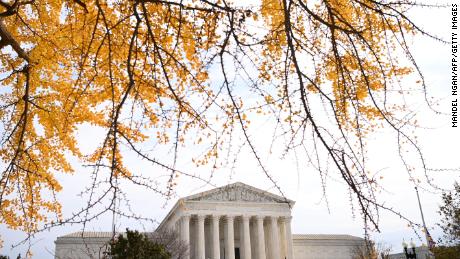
(409, 254)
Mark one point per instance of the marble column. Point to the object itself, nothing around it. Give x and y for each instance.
(275, 240)
(229, 239)
(260, 238)
(215, 237)
(246, 238)
(200, 238)
(283, 241)
(289, 251)
(185, 233)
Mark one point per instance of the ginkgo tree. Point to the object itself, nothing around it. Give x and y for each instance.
(327, 72)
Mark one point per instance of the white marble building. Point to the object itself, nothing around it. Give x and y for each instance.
(238, 221)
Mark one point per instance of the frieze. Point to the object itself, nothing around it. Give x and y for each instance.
(237, 193)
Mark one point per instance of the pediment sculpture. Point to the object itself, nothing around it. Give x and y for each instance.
(237, 192)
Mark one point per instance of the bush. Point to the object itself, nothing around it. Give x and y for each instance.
(136, 246)
(447, 252)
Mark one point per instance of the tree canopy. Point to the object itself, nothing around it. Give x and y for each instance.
(450, 216)
(327, 73)
(449, 210)
(136, 246)
(370, 250)
(447, 252)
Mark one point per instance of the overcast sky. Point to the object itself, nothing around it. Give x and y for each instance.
(311, 214)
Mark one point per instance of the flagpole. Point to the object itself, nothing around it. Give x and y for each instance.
(428, 241)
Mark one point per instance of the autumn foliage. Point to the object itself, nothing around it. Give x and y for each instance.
(141, 70)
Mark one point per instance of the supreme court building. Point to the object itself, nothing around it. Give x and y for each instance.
(231, 222)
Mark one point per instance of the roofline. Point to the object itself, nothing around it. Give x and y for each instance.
(165, 219)
(327, 237)
(188, 198)
(200, 194)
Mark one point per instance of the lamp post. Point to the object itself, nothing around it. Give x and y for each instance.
(410, 254)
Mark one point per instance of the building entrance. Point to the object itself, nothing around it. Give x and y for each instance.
(237, 253)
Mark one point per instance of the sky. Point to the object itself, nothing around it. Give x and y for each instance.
(311, 213)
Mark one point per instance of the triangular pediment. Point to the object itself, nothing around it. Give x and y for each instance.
(239, 192)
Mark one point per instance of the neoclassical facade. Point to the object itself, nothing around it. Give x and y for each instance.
(232, 222)
(236, 221)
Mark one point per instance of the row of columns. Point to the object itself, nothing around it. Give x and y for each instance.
(245, 240)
